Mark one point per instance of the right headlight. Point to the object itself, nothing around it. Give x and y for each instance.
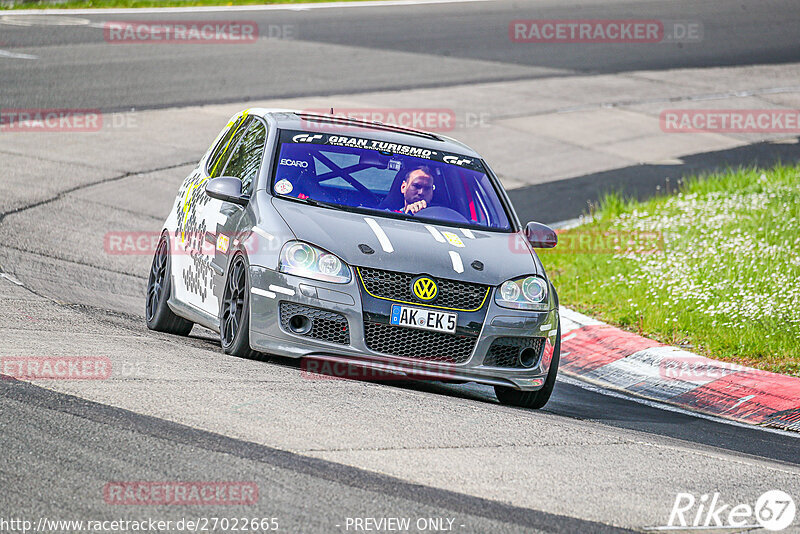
(302, 259)
(526, 293)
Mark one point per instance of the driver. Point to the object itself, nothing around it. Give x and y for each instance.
(417, 189)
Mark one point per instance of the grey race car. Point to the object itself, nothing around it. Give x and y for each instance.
(360, 244)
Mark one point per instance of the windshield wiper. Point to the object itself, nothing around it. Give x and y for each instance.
(355, 209)
(319, 203)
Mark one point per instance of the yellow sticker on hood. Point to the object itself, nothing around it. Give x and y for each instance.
(453, 239)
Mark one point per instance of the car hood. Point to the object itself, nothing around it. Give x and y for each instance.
(416, 247)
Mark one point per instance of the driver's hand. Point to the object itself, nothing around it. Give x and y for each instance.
(416, 206)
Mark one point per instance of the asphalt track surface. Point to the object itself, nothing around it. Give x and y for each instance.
(337, 51)
(59, 450)
(304, 494)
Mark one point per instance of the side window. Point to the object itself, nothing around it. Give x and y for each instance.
(246, 158)
(223, 149)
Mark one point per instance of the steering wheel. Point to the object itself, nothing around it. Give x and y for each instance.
(442, 213)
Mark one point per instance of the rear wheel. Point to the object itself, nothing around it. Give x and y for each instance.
(533, 399)
(158, 315)
(234, 328)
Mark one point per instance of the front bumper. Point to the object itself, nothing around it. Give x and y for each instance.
(270, 288)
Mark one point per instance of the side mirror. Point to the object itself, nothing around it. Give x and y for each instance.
(226, 188)
(540, 235)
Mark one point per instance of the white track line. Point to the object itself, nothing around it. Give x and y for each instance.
(11, 279)
(13, 55)
(39, 20)
(213, 9)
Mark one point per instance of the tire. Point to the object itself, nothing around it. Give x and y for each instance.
(234, 323)
(533, 399)
(158, 315)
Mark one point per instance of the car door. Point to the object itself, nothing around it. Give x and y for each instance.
(198, 217)
(235, 221)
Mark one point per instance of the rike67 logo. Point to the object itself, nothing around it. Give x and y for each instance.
(774, 510)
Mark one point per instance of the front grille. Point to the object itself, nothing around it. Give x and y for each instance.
(418, 344)
(453, 294)
(325, 325)
(504, 351)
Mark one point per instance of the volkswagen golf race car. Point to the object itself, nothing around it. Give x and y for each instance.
(361, 243)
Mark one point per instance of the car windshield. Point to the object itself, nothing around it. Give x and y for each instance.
(390, 179)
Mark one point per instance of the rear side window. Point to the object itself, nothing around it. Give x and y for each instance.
(216, 163)
(245, 160)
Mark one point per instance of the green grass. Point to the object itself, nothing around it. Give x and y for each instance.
(84, 4)
(714, 268)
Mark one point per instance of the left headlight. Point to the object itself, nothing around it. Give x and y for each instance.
(528, 293)
(302, 259)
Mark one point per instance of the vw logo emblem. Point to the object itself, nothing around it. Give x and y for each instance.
(424, 288)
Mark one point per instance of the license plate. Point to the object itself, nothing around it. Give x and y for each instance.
(424, 319)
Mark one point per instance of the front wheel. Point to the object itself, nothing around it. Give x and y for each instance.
(158, 315)
(533, 399)
(234, 328)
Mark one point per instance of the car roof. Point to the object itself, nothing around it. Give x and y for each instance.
(313, 122)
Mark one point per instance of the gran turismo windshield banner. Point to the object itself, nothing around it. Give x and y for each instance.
(294, 136)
